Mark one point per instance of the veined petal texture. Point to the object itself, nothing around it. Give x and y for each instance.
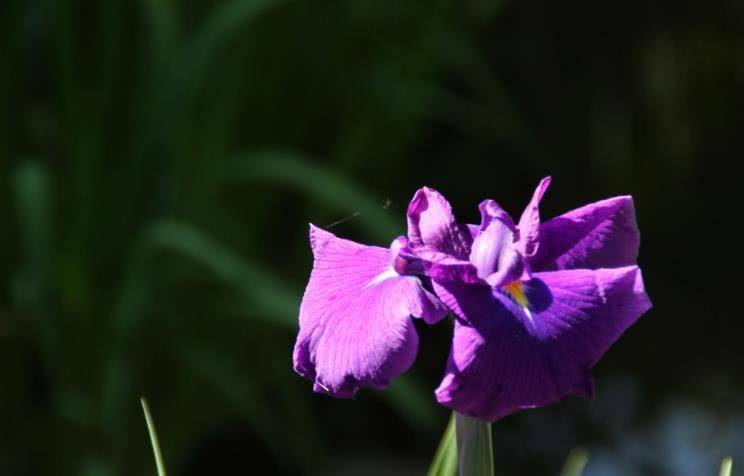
(355, 318)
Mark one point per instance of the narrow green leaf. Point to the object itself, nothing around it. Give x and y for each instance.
(273, 300)
(153, 438)
(474, 446)
(162, 20)
(32, 196)
(726, 466)
(575, 462)
(445, 459)
(216, 31)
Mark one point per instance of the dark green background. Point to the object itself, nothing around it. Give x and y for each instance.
(160, 161)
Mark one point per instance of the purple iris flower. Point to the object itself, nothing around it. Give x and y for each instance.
(536, 305)
(552, 298)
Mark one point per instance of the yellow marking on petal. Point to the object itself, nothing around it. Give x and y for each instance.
(516, 291)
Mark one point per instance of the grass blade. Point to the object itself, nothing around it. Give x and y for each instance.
(153, 438)
(445, 459)
(726, 466)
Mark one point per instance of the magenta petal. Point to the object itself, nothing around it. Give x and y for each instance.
(603, 234)
(355, 318)
(529, 222)
(432, 224)
(504, 358)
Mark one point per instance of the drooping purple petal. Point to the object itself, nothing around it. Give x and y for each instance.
(355, 318)
(603, 234)
(432, 224)
(505, 357)
(529, 222)
(494, 252)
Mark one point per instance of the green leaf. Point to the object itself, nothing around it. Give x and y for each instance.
(161, 18)
(273, 301)
(445, 459)
(32, 195)
(575, 462)
(216, 31)
(153, 438)
(474, 446)
(726, 466)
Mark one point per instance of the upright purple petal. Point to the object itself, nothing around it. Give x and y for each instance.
(529, 222)
(432, 224)
(505, 357)
(603, 234)
(494, 252)
(355, 318)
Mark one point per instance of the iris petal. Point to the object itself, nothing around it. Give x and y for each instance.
(494, 252)
(432, 224)
(355, 318)
(603, 234)
(506, 357)
(529, 222)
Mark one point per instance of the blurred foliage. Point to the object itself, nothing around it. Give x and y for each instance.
(160, 160)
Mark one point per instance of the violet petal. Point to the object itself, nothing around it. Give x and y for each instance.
(505, 358)
(529, 222)
(432, 224)
(355, 319)
(603, 234)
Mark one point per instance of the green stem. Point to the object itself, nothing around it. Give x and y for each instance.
(474, 446)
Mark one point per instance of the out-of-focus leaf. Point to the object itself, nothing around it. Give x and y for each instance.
(445, 459)
(474, 446)
(313, 181)
(162, 19)
(575, 462)
(273, 301)
(726, 466)
(224, 22)
(32, 199)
